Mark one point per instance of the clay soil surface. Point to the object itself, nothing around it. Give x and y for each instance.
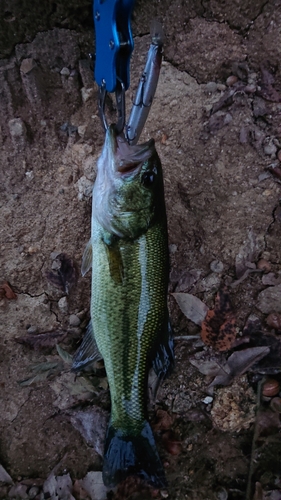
(216, 120)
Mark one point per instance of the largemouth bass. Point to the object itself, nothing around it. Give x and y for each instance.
(128, 252)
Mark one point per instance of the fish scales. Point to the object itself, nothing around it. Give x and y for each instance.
(131, 313)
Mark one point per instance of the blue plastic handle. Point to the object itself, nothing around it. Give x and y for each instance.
(114, 42)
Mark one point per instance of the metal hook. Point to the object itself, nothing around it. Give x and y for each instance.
(120, 105)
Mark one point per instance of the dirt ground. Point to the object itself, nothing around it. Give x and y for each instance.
(216, 120)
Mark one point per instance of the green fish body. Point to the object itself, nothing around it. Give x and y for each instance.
(128, 252)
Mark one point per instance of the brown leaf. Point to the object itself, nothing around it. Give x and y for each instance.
(65, 275)
(44, 340)
(7, 292)
(218, 330)
(164, 420)
(274, 321)
(135, 488)
(171, 443)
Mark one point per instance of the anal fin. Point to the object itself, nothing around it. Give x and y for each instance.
(163, 358)
(87, 353)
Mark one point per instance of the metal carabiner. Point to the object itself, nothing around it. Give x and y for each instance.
(120, 104)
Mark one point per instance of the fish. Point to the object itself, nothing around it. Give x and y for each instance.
(130, 327)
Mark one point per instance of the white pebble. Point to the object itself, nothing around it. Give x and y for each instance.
(63, 305)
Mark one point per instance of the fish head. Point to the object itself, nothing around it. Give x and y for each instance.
(128, 194)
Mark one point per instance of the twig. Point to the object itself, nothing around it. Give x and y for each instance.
(255, 436)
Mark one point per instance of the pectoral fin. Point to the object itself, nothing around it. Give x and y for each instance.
(87, 258)
(87, 353)
(115, 263)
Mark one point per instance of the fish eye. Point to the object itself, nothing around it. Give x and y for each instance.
(148, 178)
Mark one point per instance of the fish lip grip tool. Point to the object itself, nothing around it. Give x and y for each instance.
(114, 47)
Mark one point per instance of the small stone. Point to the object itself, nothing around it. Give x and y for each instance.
(227, 119)
(74, 320)
(34, 490)
(269, 300)
(279, 155)
(85, 188)
(210, 88)
(32, 330)
(231, 80)
(274, 321)
(65, 72)
(17, 127)
(216, 266)
(18, 491)
(63, 305)
(86, 94)
(31, 250)
(173, 248)
(270, 388)
(250, 89)
(208, 400)
(56, 265)
(27, 65)
(82, 130)
(54, 255)
(275, 404)
(221, 87)
(270, 149)
(243, 136)
(264, 265)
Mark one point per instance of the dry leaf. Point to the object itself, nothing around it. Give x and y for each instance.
(267, 90)
(219, 326)
(91, 424)
(7, 292)
(65, 356)
(238, 363)
(65, 275)
(192, 307)
(58, 487)
(44, 340)
(42, 372)
(4, 476)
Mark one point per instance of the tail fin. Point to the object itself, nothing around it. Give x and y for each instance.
(127, 455)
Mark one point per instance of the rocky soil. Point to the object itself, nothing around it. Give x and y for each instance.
(216, 123)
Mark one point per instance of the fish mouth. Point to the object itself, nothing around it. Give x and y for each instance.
(128, 159)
